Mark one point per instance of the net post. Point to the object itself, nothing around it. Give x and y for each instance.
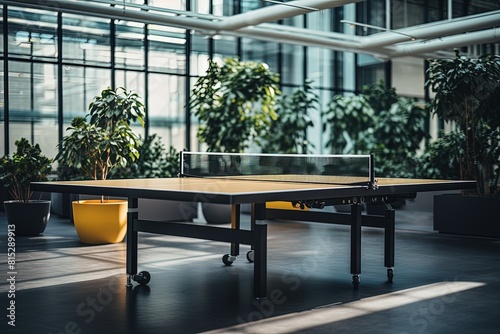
(181, 163)
(372, 184)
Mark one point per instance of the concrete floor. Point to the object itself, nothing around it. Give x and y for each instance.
(442, 283)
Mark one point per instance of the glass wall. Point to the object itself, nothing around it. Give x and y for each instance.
(85, 63)
(86, 40)
(32, 78)
(57, 62)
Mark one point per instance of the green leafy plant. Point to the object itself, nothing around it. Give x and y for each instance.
(349, 119)
(107, 141)
(288, 133)
(379, 96)
(441, 157)
(467, 93)
(378, 121)
(26, 165)
(154, 161)
(397, 136)
(234, 103)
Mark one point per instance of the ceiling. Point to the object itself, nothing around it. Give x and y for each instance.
(427, 40)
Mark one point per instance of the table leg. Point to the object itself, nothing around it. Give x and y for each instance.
(260, 249)
(355, 244)
(235, 225)
(132, 236)
(389, 242)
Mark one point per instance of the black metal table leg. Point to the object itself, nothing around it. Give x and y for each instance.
(228, 259)
(260, 250)
(235, 224)
(389, 242)
(355, 244)
(132, 215)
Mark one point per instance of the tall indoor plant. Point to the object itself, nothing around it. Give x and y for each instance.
(235, 104)
(467, 92)
(377, 121)
(26, 165)
(288, 133)
(467, 95)
(95, 148)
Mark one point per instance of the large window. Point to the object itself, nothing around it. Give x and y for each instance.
(293, 64)
(167, 49)
(32, 80)
(58, 61)
(29, 41)
(166, 97)
(33, 103)
(129, 48)
(80, 85)
(86, 40)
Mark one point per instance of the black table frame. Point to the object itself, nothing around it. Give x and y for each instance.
(256, 237)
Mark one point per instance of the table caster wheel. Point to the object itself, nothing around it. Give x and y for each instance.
(228, 259)
(355, 282)
(250, 256)
(143, 277)
(390, 275)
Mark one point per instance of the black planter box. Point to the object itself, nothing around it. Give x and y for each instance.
(467, 215)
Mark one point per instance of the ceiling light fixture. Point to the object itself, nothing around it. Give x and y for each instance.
(352, 24)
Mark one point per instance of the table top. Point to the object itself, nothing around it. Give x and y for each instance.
(241, 191)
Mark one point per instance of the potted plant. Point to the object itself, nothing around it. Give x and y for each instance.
(235, 104)
(467, 95)
(26, 165)
(95, 148)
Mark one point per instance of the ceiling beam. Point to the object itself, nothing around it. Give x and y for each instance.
(435, 29)
(449, 42)
(278, 12)
(382, 45)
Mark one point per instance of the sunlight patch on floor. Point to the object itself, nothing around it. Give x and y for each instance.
(318, 317)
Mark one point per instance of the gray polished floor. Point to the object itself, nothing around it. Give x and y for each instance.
(442, 283)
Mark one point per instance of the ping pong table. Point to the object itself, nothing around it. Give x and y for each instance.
(236, 189)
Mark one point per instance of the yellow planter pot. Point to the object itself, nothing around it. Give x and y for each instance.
(100, 223)
(282, 205)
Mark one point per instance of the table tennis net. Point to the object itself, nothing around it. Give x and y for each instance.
(334, 169)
